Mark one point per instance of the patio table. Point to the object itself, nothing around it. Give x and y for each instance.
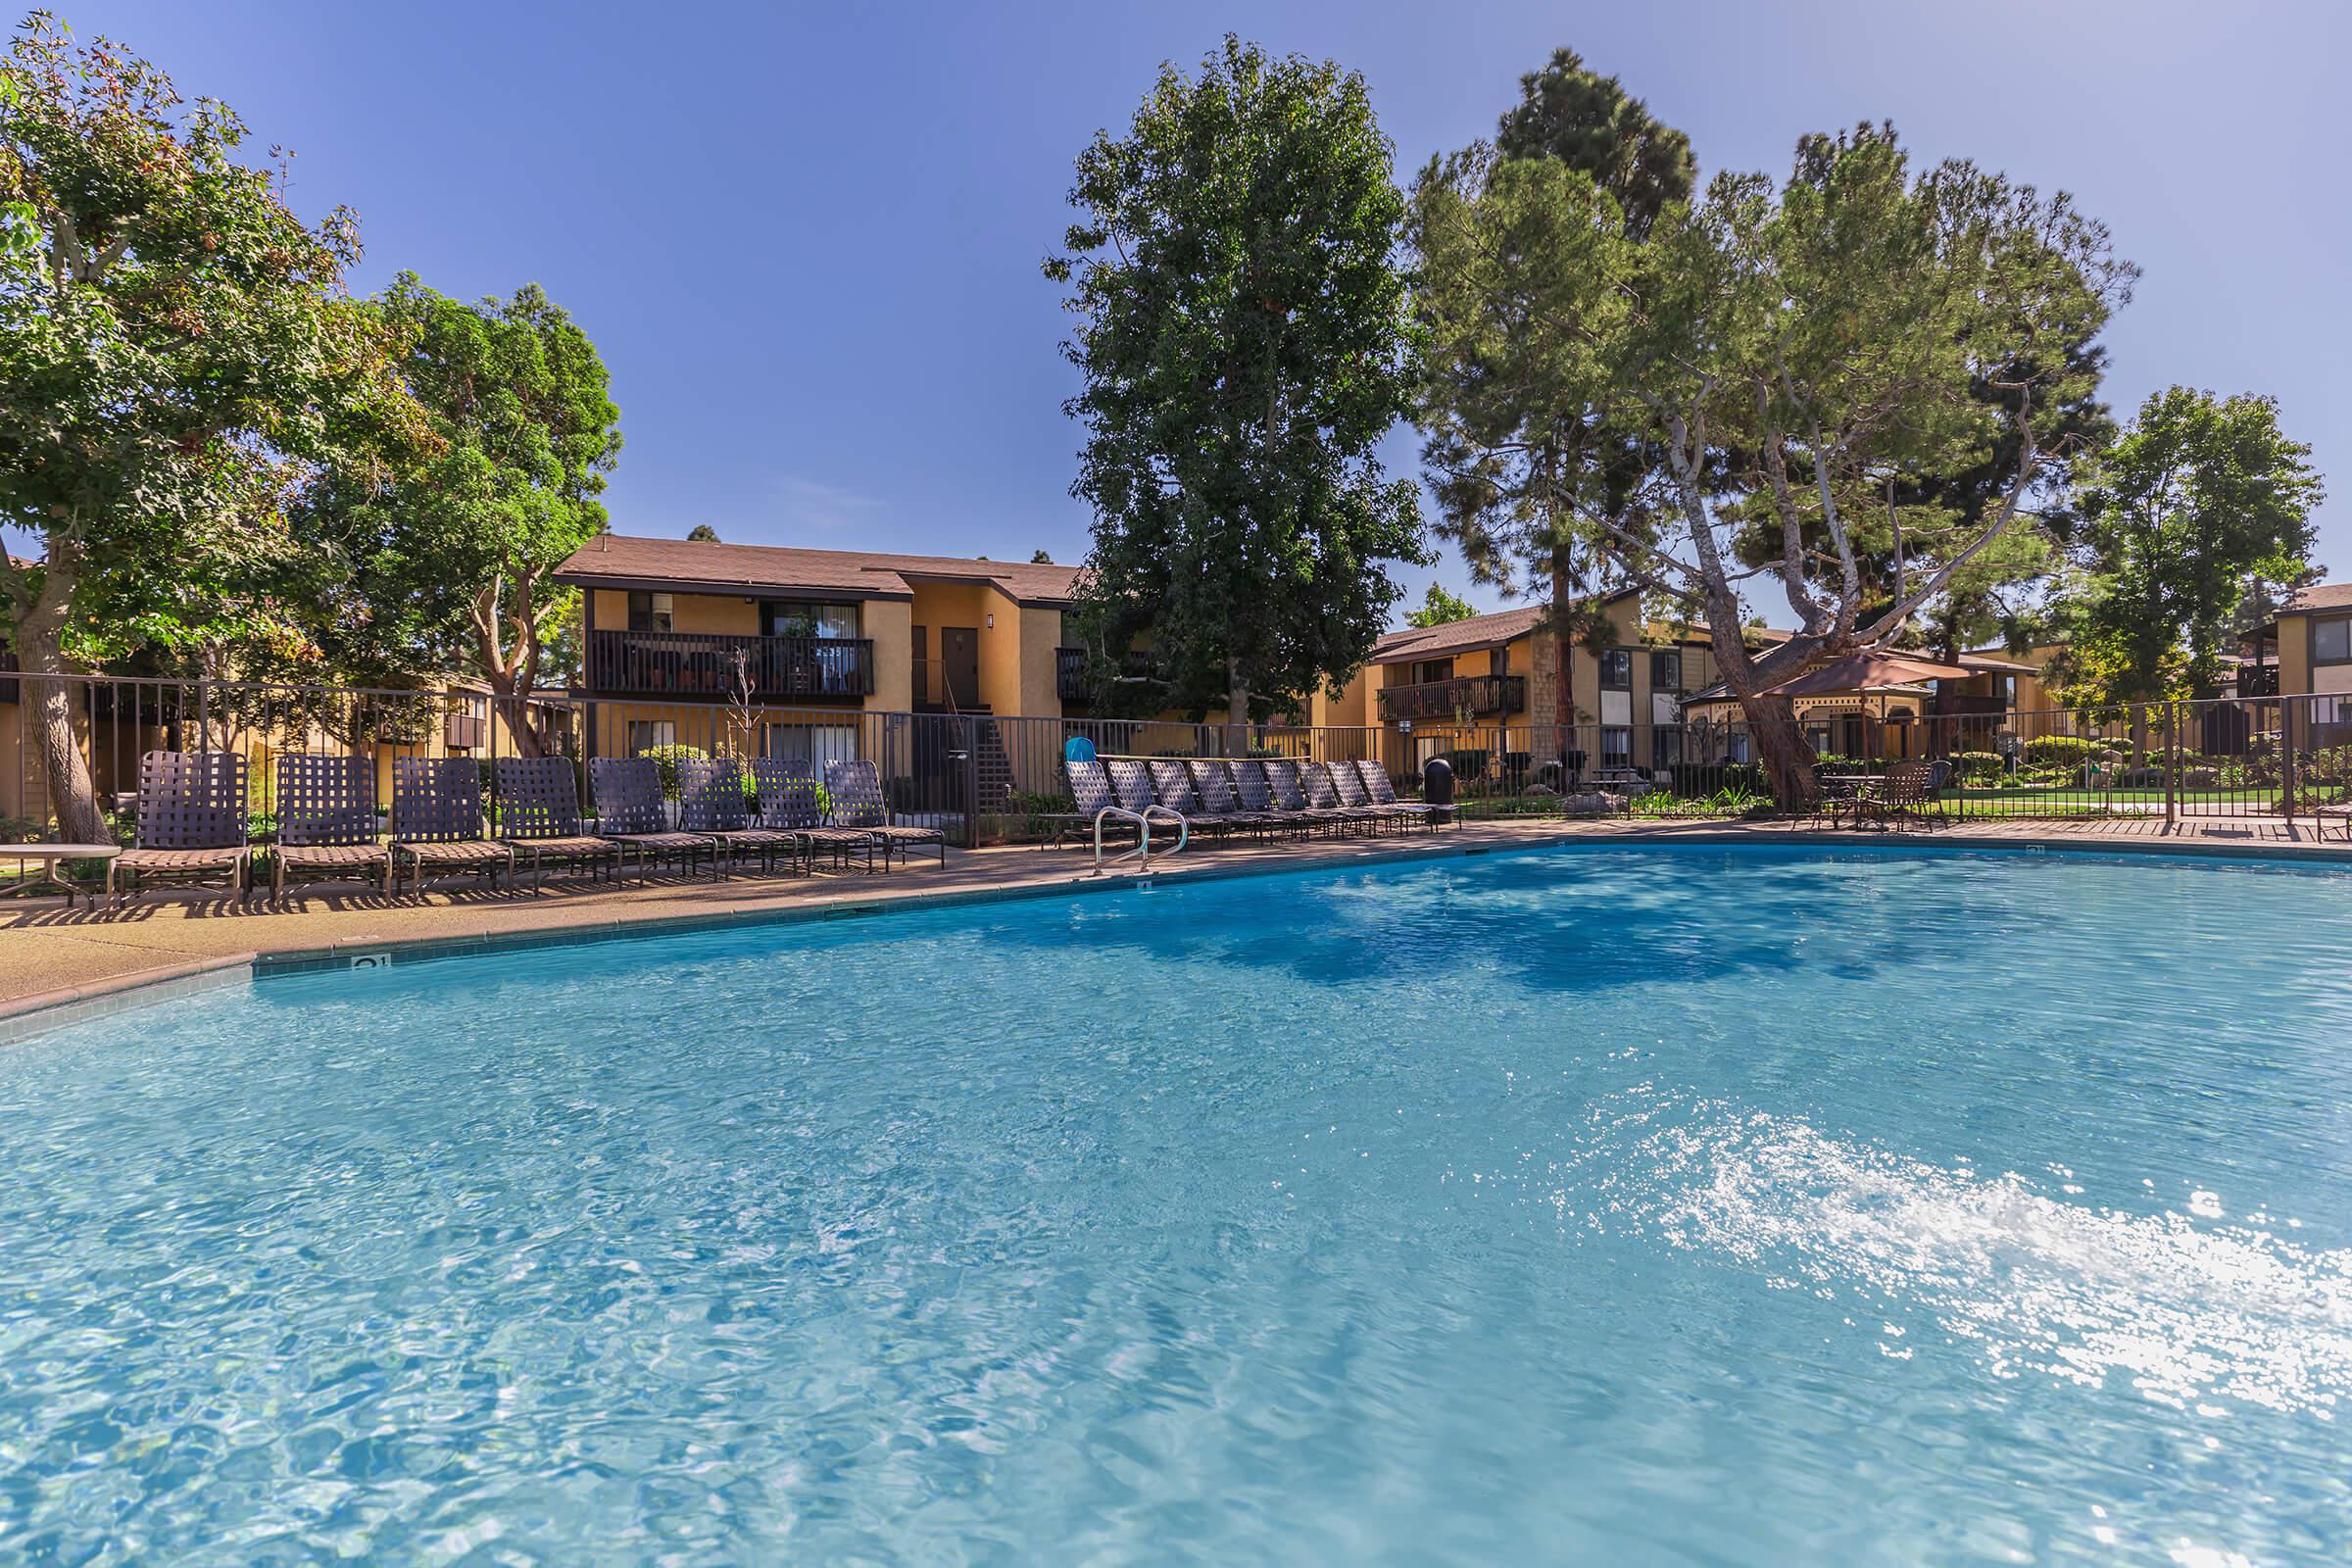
(50, 856)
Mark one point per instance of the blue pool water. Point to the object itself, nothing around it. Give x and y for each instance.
(1676, 1205)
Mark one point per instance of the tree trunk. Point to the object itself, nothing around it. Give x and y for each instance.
(49, 710)
(1237, 710)
(1780, 746)
(1563, 706)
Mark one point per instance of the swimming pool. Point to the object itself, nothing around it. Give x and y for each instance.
(1692, 1204)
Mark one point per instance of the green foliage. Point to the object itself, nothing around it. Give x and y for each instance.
(2065, 750)
(666, 760)
(1244, 344)
(1439, 608)
(2193, 509)
(702, 533)
(443, 561)
(1980, 767)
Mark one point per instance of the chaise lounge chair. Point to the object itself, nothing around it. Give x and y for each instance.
(1214, 787)
(856, 791)
(539, 816)
(711, 801)
(1325, 794)
(1290, 798)
(191, 821)
(326, 822)
(1172, 785)
(437, 820)
(792, 801)
(630, 812)
(1382, 792)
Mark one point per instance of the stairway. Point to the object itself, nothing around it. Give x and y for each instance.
(991, 769)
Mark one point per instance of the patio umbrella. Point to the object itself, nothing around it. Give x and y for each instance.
(1867, 673)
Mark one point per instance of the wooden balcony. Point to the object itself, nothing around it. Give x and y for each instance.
(1479, 696)
(464, 732)
(704, 666)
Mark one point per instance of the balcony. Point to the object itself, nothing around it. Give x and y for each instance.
(700, 664)
(1478, 696)
(2258, 680)
(1069, 674)
(8, 674)
(464, 732)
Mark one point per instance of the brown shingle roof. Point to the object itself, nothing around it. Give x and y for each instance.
(2319, 596)
(622, 559)
(1488, 631)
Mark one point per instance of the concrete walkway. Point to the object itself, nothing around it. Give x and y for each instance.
(55, 958)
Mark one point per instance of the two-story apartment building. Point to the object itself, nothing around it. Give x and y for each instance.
(1500, 673)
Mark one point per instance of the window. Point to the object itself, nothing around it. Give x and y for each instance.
(1616, 747)
(838, 621)
(1617, 670)
(813, 744)
(1819, 739)
(1666, 670)
(649, 612)
(1426, 670)
(2332, 641)
(647, 733)
(1665, 747)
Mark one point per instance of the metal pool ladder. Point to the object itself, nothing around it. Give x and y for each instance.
(1142, 852)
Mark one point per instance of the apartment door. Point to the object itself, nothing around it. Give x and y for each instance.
(960, 664)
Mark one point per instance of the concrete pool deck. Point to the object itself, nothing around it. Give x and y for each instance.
(59, 964)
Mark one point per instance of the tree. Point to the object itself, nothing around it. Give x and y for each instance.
(2194, 507)
(1505, 469)
(1437, 608)
(449, 560)
(1775, 355)
(1245, 343)
(1040, 558)
(175, 352)
(702, 533)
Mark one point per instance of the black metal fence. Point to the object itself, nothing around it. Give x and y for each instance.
(984, 778)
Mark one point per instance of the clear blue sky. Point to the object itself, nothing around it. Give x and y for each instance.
(806, 237)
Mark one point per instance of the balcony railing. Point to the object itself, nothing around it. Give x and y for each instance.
(1476, 694)
(464, 732)
(679, 664)
(1069, 674)
(2258, 680)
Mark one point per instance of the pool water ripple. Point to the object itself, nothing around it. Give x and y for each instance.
(1677, 1205)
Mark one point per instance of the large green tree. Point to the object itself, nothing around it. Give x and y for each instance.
(2195, 506)
(175, 352)
(1440, 609)
(1509, 469)
(1244, 342)
(1776, 353)
(442, 563)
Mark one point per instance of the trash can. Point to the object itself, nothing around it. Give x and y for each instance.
(1437, 782)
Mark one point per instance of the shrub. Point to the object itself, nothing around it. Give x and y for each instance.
(1980, 767)
(1697, 780)
(666, 760)
(2063, 751)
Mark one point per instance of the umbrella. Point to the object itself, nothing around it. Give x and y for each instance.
(1866, 672)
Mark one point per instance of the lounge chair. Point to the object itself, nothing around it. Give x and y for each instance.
(1347, 782)
(711, 801)
(1290, 798)
(856, 790)
(791, 801)
(1252, 793)
(437, 820)
(1214, 786)
(1325, 794)
(1382, 790)
(1101, 809)
(191, 821)
(630, 812)
(539, 816)
(326, 822)
(1172, 785)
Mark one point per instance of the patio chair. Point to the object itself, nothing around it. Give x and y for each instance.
(1325, 794)
(1907, 796)
(711, 801)
(792, 801)
(191, 821)
(539, 816)
(1288, 796)
(437, 820)
(1172, 785)
(630, 812)
(1382, 790)
(858, 803)
(326, 822)
(1213, 785)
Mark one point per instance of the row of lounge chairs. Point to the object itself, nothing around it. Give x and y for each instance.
(192, 821)
(1216, 797)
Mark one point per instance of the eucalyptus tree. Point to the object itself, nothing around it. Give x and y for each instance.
(1775, 353)
(175, 351)
(1244, 342)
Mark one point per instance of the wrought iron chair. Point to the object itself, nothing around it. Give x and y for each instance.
(191, 821)
(437, 820)
(1907, 796)
(326, 822)
(858, 803)
(711, 801)
(792, 801)
(630, 812)
(539, 816)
